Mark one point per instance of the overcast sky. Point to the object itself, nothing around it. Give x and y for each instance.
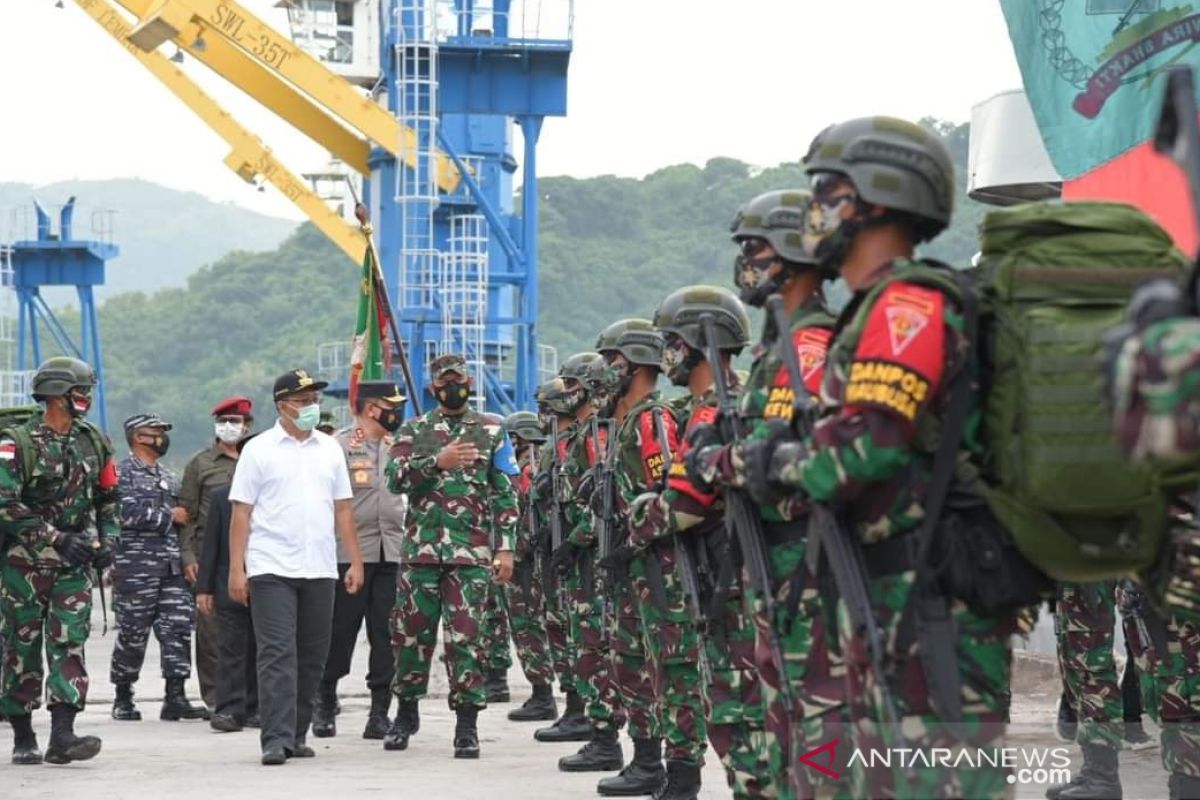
(652, 83)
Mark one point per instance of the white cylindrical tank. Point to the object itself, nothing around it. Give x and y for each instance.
(1007, 162)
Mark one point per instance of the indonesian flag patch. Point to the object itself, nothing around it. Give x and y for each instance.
(8, 449)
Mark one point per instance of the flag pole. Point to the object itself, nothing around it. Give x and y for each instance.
(364, 222)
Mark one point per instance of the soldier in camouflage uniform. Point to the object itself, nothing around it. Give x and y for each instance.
(773, 259)
(881, 186)
(557, 418)
(57, 480)
(497, 652)
(694, 517)
(455, 467)
(575, 559)
(149, 589)
(524, 597)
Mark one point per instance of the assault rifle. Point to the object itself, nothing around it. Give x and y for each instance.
(535, 538)
(603, 484)
(741, 519)
(556, 533)
(1178, 137)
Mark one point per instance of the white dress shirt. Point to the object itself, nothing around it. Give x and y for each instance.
(292, 486)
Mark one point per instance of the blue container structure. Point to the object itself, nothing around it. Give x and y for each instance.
(462, 268)
(60, 260)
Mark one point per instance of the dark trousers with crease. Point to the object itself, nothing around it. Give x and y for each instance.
(292, 620)
(374, 602)
(237, 672)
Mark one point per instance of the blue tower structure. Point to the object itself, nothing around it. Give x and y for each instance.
(60, 260)
(462, 268)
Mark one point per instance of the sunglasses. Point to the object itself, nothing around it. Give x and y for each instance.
(752, 247)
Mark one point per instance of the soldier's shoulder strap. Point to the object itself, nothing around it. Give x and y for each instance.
(25, 447)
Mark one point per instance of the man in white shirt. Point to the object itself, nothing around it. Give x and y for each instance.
(290, 490)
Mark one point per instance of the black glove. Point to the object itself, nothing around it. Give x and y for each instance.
(701, 437)
(762, 481)
(619, 558)
(75, 548)
(543, 486)
(102, 556)
(564, 558)
(596, 499)
(587, 484)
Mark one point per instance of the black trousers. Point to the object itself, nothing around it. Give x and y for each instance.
(237, 670)
(292, 619)
(373, 602)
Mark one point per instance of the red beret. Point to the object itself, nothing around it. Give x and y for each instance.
(233, 405)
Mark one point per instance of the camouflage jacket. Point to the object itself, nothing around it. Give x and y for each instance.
(149, 536)
(70, 487)
(581, 457)
(884, 392)
(453, 515)
(207, 470)
(639, 457)
(543, 502)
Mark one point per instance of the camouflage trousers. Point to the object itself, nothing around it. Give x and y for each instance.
(983, 650)
(143, 602)
(455, 597)
(1170, 683)
(672, 653)
(526, 607)
(558, 631)
(497, 652)
(50, 608)
(593, 666)
(630, 669)
(809, 710)
(1084, 621)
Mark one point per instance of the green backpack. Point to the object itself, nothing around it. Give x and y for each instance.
(12, 421)
(1052, 279)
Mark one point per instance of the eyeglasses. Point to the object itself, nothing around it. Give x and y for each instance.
(302, 399)
(752, 246)
(234, 419)
(825, 184)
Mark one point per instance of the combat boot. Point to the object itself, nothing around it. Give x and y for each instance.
(25, 747)
(683, 782)
(406, 724)
(377, 717)
(176, 706)
(644, 775)
(496, 686)
(324, 717)
(539, 706)
(1067, 724)
(1135, 736)
(65, 746)
(1098, 780)
(601, 754)
(1183, 787)
(123, 708)
(466, 737)
(572, 726)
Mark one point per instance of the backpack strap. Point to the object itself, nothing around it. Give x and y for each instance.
(20, 434)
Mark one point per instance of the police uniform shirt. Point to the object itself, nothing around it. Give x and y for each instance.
(378, 513)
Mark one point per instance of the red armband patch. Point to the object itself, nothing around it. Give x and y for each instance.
(653, 458)
(900, 358)
(108, 475)
(812, 346)
(678, 479)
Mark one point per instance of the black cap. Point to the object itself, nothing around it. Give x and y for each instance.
(296, 381)
(380, 390)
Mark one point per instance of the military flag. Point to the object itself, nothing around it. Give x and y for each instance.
(369, 352)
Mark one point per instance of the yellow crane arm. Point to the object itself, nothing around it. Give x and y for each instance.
(273, 92)
(186, 21)
(248, 156)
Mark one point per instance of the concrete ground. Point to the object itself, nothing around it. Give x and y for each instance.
(153, 759)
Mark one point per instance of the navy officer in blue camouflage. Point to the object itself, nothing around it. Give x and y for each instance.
(149, 587)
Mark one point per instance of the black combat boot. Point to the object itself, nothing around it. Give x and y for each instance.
(123, 708)
(495, 684)
(539, 706)
(466, 737)
(1098, 780)
(25, 748)
(406, 724)
(572, 726)
(324, 717)
(65, 746)
(601, 754)
(176, 706)
(1067, 724)
(683, 782)
(1135, 735)
(377, 717)
(643, 776)
(1183, 787)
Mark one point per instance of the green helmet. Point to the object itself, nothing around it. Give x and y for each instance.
(892, 163)
(636, 339)
(680, 313)
(58, 376)
(552, 396)
(777, 217)
(526, 425)
(575, 367)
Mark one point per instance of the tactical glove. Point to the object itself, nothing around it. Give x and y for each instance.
(587, 484)
(564, 558)
(764, 457)
(619, 558)
(102, 556)
(702, 443)
(543, 486)
(74, 548)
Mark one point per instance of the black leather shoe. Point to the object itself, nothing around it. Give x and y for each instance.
(252, 721)
(301, 750)
(274, 756)
(225, 723)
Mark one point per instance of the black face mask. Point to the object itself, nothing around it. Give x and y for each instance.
(160, 444)
(453, 395)
(389, 419)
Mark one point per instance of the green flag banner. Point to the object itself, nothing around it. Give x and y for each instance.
(367, 352)
(1094, 70)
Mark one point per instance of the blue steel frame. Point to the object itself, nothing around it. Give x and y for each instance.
(60, 261)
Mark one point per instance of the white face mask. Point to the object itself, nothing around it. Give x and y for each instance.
(229, 432)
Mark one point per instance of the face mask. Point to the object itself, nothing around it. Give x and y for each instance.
(78, 404)
(453, 395)
(308, 417)
(228, 432)
(678, 361)
(160, 444)
(826, 234)
(389, 419)
(752, 279)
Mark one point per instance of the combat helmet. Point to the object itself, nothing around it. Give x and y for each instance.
(59, 375)
(553, 399)
(778, 218)
(681, 311)
(575, 367)
(526, 425)
(892, 163)
(634, 338)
